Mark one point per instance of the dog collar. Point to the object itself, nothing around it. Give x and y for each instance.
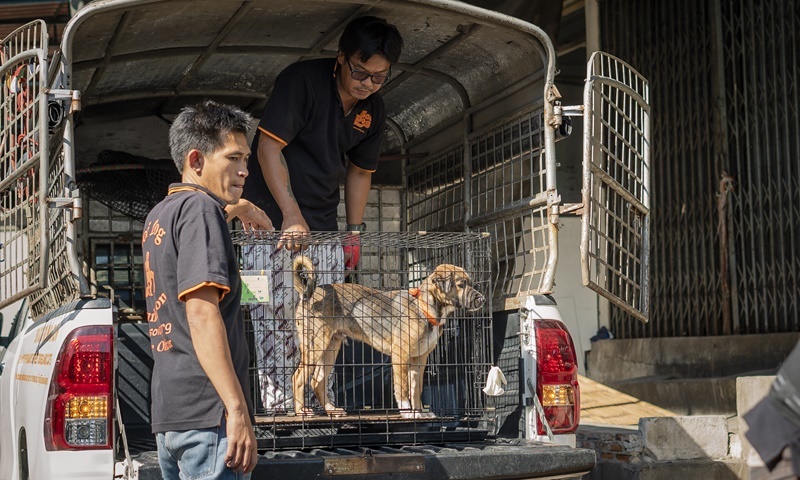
(414, 292)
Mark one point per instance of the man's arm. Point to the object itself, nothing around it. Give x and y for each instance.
(356, 190)
(210, 340)
(276, 174)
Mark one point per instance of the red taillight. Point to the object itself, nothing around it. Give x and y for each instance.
(557, 377)
(80, 403)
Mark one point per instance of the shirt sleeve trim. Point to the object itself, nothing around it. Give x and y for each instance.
(363, 169)
(270, 134)
(223, 290)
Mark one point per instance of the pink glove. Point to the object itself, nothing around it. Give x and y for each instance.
(352, 251)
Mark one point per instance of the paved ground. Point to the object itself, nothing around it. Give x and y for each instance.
(602, 405)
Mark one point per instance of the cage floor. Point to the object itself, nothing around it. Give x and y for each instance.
(377, 417)
(378, 428)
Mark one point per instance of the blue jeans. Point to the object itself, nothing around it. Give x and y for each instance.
(195, 454)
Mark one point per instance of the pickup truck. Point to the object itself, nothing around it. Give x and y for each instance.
(473, 120)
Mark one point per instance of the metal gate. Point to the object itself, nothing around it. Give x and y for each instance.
(726, 162)
(23, 163)
(37, 236)
(616, 182)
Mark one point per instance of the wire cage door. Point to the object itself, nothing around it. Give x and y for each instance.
(340, 354)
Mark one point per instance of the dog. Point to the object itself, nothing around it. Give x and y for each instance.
(404, 324)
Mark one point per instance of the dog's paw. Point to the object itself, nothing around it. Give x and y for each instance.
(335, 412)
(416, 414)
(305, 412)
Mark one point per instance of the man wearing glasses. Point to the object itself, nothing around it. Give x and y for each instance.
(322, 126)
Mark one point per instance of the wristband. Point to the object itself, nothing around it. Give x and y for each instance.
(357, 227)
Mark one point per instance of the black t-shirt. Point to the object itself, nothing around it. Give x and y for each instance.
(305, 114)
(186, 246)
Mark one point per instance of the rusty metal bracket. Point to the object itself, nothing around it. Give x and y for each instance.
(374, 464)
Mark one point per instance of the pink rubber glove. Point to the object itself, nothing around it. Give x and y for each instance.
(352, 251)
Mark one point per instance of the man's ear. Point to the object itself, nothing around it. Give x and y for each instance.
(195, 161)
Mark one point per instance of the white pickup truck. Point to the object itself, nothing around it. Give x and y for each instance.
(473, 119)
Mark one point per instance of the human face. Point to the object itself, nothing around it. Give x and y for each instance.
(361, 89)
(223, 171)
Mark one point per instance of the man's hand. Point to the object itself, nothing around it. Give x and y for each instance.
(242, 454)
(295, 232)
(252, 217)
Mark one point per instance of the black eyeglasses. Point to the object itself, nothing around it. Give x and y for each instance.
(359, 76)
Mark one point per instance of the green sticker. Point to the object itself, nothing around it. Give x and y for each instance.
(255, 288)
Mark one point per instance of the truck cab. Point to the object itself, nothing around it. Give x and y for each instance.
(474, 117)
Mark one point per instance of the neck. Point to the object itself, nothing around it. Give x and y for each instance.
(348, 102)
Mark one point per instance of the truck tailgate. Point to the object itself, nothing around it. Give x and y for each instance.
(501, 459)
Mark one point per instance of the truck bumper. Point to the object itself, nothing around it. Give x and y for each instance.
(501, 459)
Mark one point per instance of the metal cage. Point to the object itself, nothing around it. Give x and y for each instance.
(360, 379)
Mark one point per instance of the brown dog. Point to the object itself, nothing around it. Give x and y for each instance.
(405, 324)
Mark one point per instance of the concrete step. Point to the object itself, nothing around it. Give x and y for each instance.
(730, 469)
(687, 357)
(682, 447)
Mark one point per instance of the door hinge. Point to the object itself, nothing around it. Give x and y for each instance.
(74, 96)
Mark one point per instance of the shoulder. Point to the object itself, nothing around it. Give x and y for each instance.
(193, 206)
(375, 103)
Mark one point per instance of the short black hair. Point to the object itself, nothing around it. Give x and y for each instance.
(368, 36)
(204, 127)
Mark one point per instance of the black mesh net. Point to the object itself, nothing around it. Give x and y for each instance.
(127, 183)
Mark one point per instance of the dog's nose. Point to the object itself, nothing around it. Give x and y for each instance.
(479, 299)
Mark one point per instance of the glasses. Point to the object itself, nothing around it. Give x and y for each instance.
(359, 76)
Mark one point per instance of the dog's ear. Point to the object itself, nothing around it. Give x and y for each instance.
(444, 281)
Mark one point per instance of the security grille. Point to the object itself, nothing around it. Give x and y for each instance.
(726, 178)
(616, 180)
(761, 47)
(362, 357)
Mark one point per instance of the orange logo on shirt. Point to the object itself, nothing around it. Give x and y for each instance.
(363, 120)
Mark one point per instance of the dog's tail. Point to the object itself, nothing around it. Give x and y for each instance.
(305, 281)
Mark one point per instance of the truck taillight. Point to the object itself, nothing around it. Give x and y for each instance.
(79, 406)
(557, 377)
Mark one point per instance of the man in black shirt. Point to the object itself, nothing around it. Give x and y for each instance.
(201, 411)
(321, 111)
